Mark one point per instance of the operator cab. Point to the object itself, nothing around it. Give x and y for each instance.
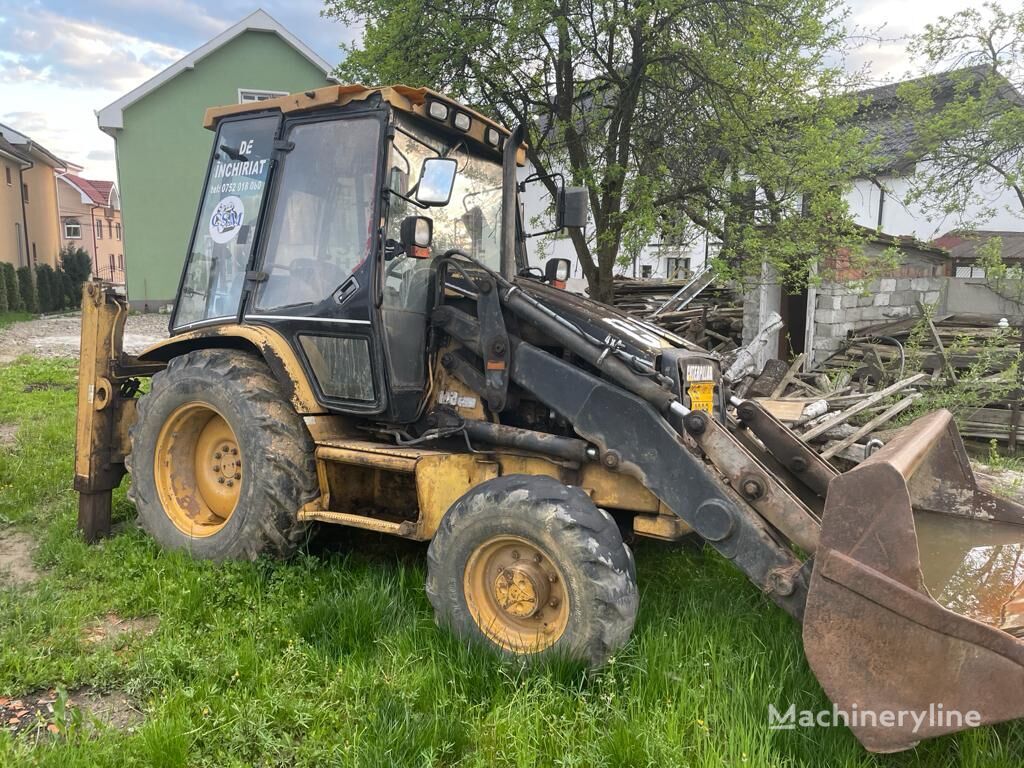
(323, 220)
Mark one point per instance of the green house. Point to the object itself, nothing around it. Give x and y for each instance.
(162, 148)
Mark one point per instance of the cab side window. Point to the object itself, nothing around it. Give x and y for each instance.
(321, 227)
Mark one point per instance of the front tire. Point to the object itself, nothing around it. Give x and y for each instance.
(533, 567)
(220, 462)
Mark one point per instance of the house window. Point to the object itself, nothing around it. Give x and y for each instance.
(111, 266)
(99, 229)
(646, 271)
(24, 192)
(676, 267)
(7, 173)
(246, 95)
(110, 229)
(120, 261)
(72, 229)
(117, 230)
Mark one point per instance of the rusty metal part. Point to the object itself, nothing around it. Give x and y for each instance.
(755, 482)
(874, 634)
(198, 470)
(799, 458)
(106, 407)
(516, 594)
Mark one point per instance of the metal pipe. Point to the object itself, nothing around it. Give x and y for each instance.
(568, 448)
(509, 204)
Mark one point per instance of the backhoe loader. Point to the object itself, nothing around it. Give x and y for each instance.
(358, 339)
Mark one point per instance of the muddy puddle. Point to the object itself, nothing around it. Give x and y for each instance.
(970, 567)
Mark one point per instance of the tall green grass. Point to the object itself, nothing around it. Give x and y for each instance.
(333, 658)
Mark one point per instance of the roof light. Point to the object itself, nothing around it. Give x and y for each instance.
(493, 137)
(461, 121)
(437, 110)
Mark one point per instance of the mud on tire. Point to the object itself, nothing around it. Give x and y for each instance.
(563, 522)
(277, 459)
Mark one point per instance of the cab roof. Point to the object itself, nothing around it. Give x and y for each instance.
(415, 101)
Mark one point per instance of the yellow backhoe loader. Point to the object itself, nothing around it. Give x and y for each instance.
(357, 340)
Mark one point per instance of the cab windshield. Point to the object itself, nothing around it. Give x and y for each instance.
(470, 222)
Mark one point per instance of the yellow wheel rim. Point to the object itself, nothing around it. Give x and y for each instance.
(198, 469)
(516, 594)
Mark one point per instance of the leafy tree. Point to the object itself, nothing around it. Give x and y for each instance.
(673, 114)
(11, 287)
(29, 299)
(969, 121)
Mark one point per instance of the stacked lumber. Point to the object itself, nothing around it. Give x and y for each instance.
(713, 320)
(861, 392)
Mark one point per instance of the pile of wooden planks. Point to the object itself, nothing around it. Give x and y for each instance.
(714, 319)
(884, 370)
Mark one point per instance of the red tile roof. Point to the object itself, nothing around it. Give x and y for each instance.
(98, 191)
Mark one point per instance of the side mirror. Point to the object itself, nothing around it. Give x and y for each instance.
(437, 179)
(417, 233)
(556, 272)
(572, 207)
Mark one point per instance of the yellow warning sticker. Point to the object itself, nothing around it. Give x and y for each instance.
(702, 396)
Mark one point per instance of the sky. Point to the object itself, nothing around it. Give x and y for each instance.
(60, 60)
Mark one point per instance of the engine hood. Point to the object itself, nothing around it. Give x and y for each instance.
(600, 320)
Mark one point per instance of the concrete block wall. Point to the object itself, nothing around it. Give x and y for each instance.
(839, 309)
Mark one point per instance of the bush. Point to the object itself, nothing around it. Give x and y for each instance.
(11, 287)
(45, 284)
(3, 293)
(29, 299)
(76, 266)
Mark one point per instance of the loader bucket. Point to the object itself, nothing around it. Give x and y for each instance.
(916, 603)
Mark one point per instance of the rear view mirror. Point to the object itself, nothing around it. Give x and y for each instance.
(572, 207)
(417, 233)
(437, 178)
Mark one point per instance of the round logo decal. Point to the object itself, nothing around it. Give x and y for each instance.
(227, 219)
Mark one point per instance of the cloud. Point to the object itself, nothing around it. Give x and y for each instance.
(100, 156)
(44, 46)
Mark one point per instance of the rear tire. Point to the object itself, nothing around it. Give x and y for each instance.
(532, 567)
(220, 462)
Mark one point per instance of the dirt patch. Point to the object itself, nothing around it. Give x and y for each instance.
(113, 627)
(16, 567)
(58, 336)
(8, 435)
(48, 714)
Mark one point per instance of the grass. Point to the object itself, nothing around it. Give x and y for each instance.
(7, 318)
(333, 658)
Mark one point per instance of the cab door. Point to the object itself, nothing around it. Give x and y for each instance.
(313, 282)
(220, 249)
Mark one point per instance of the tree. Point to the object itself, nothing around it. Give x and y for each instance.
(76, 266)
(14, 303)
(673, 114)
(969, 121)
(29, 299)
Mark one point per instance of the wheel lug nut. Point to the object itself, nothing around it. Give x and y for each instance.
(234, 451)
(216, 455)
(536, 558)
(230, 483)
(216, 467)
(225, 448)
(515, 554)
(220, 480)
(238, 475)
(553, 602)
(552, 578)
